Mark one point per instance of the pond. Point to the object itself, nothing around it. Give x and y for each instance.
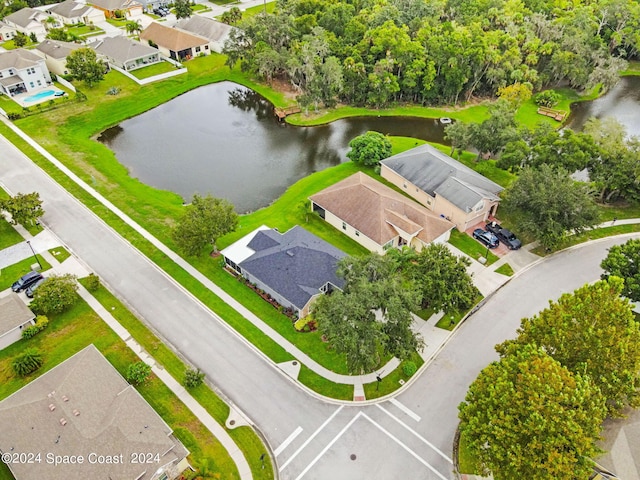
(621, 102)
(224, 139)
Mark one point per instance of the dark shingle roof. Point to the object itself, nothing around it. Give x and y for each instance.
(432, 171)
(296, 266)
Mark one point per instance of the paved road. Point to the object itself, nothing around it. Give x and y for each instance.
(405, 438)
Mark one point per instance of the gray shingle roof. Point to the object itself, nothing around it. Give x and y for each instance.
(25, 16)
(205, 27)
(70, 9)
(18, 59)
(57, 49)
(296, 266)
(13, 313)
(102, 413)
(122, 49)
(432, 171)
(112, 5)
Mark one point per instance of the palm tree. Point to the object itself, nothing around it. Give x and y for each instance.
(133, 26)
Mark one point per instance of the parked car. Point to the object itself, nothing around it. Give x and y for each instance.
(31, 290)
(160, 12)
(26, 281)
(505, 236)
(488, 238)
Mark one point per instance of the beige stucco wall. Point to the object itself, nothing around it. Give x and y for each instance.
(420, 195)
(59, 67)
(463, 220)
(349, 231)
(14, 335)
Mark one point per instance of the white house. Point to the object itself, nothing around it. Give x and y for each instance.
(22, 71)
(14, 317)
(6, 32)
(28, 21)
(71, 12)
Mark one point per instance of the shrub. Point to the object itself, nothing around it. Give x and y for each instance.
(14, 116)
(138, 373)
(55, 295)
(193, 378)
(548, 98)
(92, 282)
(409, 368)
(33, 330)
(28, 362)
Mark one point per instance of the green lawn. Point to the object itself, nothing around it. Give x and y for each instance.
(120, 23)
(9, 105)
(467, 463)
(84, 30)
(224, 2)
(152, 70)
(633, 68)
(10, 274)
(8, 235)
(60, 253)
(391, 382)
(247, 440)
(505, 270)
(590, 235)
(198, 7)
(471, 246)
(70, 332)
(250, 12)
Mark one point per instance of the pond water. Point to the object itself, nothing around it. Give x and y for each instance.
(621, 102)
(224, 139)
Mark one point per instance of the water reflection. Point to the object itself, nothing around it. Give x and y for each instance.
(224, 139)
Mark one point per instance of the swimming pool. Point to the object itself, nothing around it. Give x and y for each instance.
(40, 96)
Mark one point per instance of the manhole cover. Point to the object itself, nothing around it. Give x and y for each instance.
(353, 456)
(232, 422)
(295, 363)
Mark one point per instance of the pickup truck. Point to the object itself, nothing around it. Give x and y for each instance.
(505, 236)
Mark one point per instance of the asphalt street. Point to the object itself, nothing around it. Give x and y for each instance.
(410, 437)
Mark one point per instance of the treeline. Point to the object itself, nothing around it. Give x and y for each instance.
(376, 52)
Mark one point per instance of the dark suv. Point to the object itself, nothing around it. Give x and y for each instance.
(505, 236)
(26, 281)
(488, 238)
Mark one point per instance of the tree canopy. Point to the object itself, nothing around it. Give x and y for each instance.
(388, 51)
(369, 148)
(548, 203)
(84, 65)
(591, 331)
(204, 221)
(56, 294)
(24, 208)
(624, 261)
(371, 314)
(527, 416)
(183, 8)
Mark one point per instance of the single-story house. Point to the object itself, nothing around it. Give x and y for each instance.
(55, 54)
(22, 71)
(443, 185)
(28, 21)
(124, 53)
(293, 267)
(377, 217)
(71, 12)
(14, 317)
(175, 43)
(84, 407)
(216, 32)
(6, 32)
(130, 8)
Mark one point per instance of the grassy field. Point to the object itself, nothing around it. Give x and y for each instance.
(505, 270)
(85, 30)
(471, 246)
(10, 274)
(590, 235)
(391, 382)
(60, 253)
(152, 70)
(8, 235)
(70, 332)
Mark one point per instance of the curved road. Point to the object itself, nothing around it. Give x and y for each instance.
(409, 437)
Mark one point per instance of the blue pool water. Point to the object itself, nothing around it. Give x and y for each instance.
(40, 95)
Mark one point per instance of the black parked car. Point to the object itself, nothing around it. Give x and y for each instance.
(505, 236)
(488, 238)
(26, 281)
(31, 290)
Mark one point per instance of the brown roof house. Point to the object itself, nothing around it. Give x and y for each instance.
(378, 217)
(84, 411)
(14, 317)
(443, 185)
(174, 42)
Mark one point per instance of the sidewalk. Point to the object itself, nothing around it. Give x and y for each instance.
(73, 266)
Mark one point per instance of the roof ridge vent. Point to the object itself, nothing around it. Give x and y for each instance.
(52, 407)
(65, 398)
(76, 412)
(63, 422)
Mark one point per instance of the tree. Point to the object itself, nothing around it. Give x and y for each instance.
(27, 362)
(192, 378)
(441, 278)
(516, 94)
(231, 16)
(58, 34)
(203, 222)
(527, 416)
(459, 134)
(20, 39)
(56, 294)
(491, 136)
(138, 372)
(183, 8)
(369, 148)
(33, 37)
(133, 26)
(624, 261)
(372, 313)
(548, 204)
(592, 332)
(84, 65)
(24, 208)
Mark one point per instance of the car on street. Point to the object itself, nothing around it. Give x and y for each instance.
(487, 238)
(505, 236)
(26, 281)
(32, 289)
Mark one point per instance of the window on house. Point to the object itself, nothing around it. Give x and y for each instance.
(1, 75)
(344, 226)
(206, 47)
(39, 83)
(416, 190)
(197, 49)
(480, 206)
(404, 184)
(32, 85)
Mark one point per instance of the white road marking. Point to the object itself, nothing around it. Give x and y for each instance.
(405, 409)
(437, 450)
(334, 440)
(286, 443)
(411, 452)
(302, 447)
